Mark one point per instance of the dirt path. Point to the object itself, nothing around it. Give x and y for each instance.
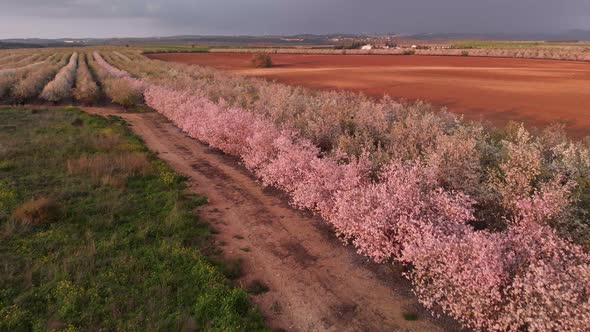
(316, 283)
(537, 92)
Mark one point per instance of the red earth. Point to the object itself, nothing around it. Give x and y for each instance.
(536, 92)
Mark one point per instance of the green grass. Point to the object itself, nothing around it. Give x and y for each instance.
(121, 250)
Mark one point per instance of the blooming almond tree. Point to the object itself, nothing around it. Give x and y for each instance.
(119, 85)
(61, 86)
(86, 90)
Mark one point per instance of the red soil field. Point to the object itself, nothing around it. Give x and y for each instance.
(536, 92)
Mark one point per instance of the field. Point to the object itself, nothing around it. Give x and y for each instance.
(333, 210)
(537, 92)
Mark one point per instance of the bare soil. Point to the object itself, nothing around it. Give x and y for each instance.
(537, 92)
(315, 282)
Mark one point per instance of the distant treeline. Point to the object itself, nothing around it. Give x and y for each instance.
(4, 45)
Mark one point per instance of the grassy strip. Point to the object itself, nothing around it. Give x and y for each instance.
(97, 234)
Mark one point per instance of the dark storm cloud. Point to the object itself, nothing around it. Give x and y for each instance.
(40, 18)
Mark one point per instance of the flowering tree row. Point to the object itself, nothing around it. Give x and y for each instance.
(25, 67)
(60, 87)
(18, 62)
(12, 60)
(523, 276)
(553, 53)
(115, 72)
(12, 74)
(86, 90)
(9, 77)
(25, 61)
(30, 84)
(117, 84)
(122, 56)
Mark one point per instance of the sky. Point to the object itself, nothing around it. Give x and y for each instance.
(135, 18)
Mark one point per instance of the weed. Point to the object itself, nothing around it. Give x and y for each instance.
(78, 122)
(257, 287)
(276, 308)
(232, 269)
(410, 316)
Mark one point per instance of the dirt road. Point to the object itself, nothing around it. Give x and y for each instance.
(537, 92)
(316, 283)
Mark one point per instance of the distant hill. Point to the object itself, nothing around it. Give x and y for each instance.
(582, 35)
(570, 35)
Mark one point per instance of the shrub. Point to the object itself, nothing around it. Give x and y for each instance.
(464, 53)
(261, 60)
(409, 52)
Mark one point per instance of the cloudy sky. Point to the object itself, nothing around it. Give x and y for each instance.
(125, 18)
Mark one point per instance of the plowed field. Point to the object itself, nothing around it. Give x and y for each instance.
(537, 92)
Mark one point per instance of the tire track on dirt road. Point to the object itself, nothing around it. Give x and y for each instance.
(316, 283)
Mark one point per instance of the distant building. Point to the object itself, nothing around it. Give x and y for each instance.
(367, 47)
